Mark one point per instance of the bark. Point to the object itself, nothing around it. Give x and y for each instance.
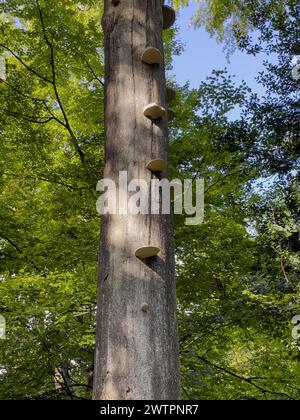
(62, 382)
(137, 344)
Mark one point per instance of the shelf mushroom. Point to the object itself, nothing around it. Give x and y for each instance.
(157, 165)
(152, 55)
(169, 16)
(147, 252)
(154, 111)
(171, 94)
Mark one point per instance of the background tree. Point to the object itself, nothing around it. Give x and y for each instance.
(237, 274)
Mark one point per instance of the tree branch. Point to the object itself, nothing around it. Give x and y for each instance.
(241, 378)
(38, 100)
(28, 118)
(222, 178)
(52, 60)
(39, 178)
(19, 250)
(94, 74)
(25, 65)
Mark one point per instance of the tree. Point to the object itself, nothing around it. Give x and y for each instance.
(237, 274)
(48, 194)
(232, 20)
(271, 206)
(136, 344)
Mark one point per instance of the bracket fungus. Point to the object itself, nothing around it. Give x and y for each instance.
(147, 252)
(152, 55)
(169, 17)
(157, 165)
(154, 111)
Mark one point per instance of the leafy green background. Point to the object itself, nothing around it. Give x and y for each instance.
(237, 274)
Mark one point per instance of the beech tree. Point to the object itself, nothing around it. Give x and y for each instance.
(137, 343)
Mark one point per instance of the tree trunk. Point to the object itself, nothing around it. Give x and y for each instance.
(137, 342)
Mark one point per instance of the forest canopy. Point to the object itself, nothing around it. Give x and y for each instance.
(237, 273)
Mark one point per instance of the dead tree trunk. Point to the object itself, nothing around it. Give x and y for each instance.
(137, 344)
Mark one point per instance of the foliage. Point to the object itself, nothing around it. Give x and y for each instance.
(237, 274)
(259, 296)
(232, 20)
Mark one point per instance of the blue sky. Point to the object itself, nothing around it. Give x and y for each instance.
(203, 54)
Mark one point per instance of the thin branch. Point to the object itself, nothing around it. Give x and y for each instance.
(28, 118)
(22, 93)
(241, 378)
(94, 74)
(26, 65)
(52, 82)
(48, 394)
(280, 251)
(38, 100)
(222, 179)
(39, 178)
(52, 60)
(282, 265)
(19, 250)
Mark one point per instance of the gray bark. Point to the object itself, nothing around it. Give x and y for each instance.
(137, 344)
